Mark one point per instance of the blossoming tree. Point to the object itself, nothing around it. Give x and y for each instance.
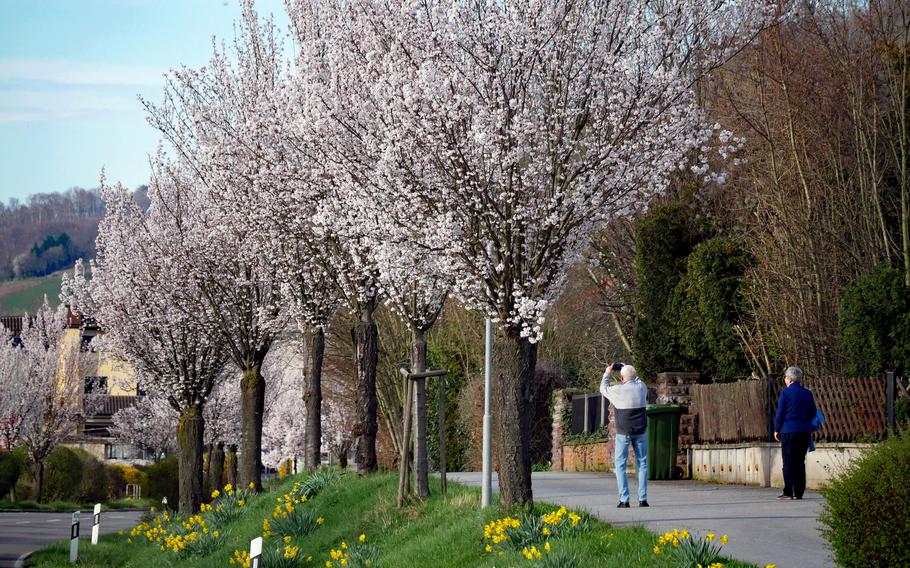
(220, 119)
(518, 130)
(13, 397)
(149, 296)
(51, 394)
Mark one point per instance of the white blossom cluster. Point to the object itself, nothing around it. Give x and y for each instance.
(476, 147)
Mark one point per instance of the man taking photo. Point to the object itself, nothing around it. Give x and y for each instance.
(630, 399)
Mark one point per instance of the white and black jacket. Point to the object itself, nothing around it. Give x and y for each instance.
(631, 401)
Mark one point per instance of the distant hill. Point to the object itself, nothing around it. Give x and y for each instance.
(21, 296)
(50, 231)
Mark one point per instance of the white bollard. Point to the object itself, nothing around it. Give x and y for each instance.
(256, 552)
(96, 523)
(74, 538)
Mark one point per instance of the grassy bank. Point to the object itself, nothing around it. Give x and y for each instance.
(445, 531)
(67, 506)
(20, 296)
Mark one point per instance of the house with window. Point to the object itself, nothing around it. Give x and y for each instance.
(110, 378)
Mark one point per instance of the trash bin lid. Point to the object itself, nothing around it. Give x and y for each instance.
(665, 409)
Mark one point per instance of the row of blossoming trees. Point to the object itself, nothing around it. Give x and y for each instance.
(394, 152)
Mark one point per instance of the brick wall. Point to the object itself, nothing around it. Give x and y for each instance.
(675, 388)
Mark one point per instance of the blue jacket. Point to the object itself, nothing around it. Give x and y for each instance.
(795, 410)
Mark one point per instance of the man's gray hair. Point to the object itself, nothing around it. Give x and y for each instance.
(795, 374)
(628, 372)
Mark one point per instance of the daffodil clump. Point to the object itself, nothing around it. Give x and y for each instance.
(531, 534)
(561, 521)
(227, 504)
(292, 519)
(360, 554)
(176, 535)
(687, 550)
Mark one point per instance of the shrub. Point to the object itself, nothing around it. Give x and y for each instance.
(873, 322)
(94, 485)
(116, 483)
(867, 510)
(664, 238)
(11, 464)
(161, 480)
(710, 300)
(63, 471)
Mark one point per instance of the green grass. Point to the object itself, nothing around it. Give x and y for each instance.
(67, 506)
(446, 531)
(27, 295)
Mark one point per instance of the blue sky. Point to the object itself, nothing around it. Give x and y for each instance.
(70, 73)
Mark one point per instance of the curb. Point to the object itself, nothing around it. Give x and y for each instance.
(20, 562)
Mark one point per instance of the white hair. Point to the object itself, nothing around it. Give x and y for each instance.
(628, 372)
(794, 373)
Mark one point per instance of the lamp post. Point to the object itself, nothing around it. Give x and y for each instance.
(487, 482)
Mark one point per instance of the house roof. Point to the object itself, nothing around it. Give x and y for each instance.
(111, 404)
(13, 324)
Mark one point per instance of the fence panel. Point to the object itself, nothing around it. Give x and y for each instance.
(854, 408)
(733, 412)
(730, 412)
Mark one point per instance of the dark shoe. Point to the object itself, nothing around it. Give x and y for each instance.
(623, 505)
(784, 497)
(643, 503)
(798, 498)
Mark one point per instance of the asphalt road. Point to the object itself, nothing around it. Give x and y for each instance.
(24, 532)
(762, 530)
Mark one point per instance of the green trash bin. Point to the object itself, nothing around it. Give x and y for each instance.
(663, 439)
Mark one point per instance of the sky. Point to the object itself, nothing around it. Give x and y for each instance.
(70, 74)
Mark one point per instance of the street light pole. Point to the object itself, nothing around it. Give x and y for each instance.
(487, 485)
(487, 418)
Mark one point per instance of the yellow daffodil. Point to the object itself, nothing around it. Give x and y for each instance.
(362, 538)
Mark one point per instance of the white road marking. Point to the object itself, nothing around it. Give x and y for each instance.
(22, 522)
(53, 520)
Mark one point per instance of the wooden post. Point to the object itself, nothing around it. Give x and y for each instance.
(418, 366)
(404, 470)
(442, 435)
(410, 379)
(889, 401)
(769, 406)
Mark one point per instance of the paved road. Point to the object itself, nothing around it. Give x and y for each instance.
(762, 529)
(24, 532)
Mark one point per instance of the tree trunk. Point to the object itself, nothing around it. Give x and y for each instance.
(252, 401)
(40, 481)
(207, 471)
(230, 465)
(216, 466)
(366, 353)
(190, 429)
(515, 360)
(312, 397)
(419, 365)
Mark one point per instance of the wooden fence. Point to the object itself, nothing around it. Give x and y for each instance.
(737, 412)
(730, 412)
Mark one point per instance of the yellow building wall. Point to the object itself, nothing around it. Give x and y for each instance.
(121, 379)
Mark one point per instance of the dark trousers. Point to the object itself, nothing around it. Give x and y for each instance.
(793, 449)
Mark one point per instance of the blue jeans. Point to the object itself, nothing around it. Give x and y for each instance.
(640, 446)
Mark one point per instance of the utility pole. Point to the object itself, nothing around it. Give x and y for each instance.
(487, 487)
